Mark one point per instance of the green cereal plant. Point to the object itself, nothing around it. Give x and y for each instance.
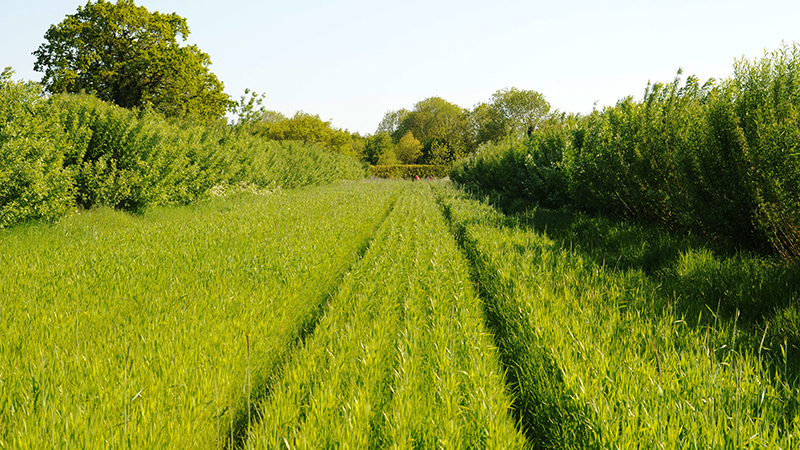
(595, 361)
(140, 331)
(400, 359)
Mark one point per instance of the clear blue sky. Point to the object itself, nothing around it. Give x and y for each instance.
(351, 61)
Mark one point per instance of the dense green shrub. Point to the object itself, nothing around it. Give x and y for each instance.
(76, 150)
(718, 159)
(34, 183)
(768, 107)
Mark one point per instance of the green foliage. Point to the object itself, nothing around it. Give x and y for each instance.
(129, 56)
(6, 74)
(388, 158)
(391, 121)
(73, 150)
(487, 125)
(409, 149)
(378, 145)
(448, 132)
(601, 354)
(301, 127)
(519, 111)
(34, 182)
(717, 159)
(248, 111)
(409, 171)
(768, 107)
(442, 128)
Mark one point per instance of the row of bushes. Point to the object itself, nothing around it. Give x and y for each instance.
(719, 158)
(66, 151)
(408, 171)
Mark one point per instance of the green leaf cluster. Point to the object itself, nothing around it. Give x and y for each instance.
(447, 132)
(131, 57)
(302, 127)
(69, 151)
(717, 159)
(34, 181)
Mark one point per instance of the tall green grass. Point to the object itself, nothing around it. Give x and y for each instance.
(603, 349)
(159, 331)
(401, 358)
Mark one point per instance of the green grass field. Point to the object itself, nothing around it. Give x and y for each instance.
(382, 314)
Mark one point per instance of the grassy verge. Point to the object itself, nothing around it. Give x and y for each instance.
(154, 331)
(598, 349)
(401, 358)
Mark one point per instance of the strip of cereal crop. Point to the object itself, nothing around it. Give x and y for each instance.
(588, 371)
(158, 331)
(401, 358)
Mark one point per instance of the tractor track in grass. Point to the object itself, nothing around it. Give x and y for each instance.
(247, 414)
(400, 358)
(544, 413)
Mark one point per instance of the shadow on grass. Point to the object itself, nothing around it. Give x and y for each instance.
(543, 408)
(698, 278)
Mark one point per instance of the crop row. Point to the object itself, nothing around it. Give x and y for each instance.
(159, 331)
(595, 361)
(401, 358)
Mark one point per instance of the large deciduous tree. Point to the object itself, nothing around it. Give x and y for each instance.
(129, 56)
(439, 124)
(519, 111)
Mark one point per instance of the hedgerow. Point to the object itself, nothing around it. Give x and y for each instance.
(408, 171)
(71, 150)
(720, 159)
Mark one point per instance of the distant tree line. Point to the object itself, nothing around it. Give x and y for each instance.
(433, 132)
(124, 54)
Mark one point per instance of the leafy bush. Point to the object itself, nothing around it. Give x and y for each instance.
(34, 184)
(73, 150)
(768, 107)
(717, 159)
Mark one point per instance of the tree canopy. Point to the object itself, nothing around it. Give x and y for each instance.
(129, 56)
(379, 149)
(435, 122)
(520, 111)
(409, 149)
(303, 127)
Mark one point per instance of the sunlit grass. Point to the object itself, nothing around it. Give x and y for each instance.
(388, 315)
(601, 354)
(401, 359)
(133, 331)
